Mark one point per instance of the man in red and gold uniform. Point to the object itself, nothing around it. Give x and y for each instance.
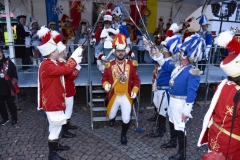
(218, 120)
(69, 84)
(68, 33)
(159, 33)
(121, 81)
(51, 88)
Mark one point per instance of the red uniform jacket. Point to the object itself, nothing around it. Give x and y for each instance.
(159, 36)
(51, 93)
(222, 116)
(97, 34)
(131, 84)
(69, 80)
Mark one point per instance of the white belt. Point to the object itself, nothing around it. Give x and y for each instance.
(178, 97)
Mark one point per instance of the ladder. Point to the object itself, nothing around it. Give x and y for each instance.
(94, 109)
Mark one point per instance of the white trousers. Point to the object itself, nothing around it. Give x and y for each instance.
(69, 107)
(175, 114)
(123, 102)
(70, 44)
(54, 130)
(157, 97)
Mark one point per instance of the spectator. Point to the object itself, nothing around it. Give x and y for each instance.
(24, 39)
(35, 42)
(8, 76)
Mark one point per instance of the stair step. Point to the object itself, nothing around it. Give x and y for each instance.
(98, 91)
(104, 118)
(99, 108)
(98, 99)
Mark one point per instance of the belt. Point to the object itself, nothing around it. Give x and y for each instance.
(178, 97)
(226, 132)
(162, 87)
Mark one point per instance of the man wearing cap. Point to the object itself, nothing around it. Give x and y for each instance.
(52, 26)
(159, 33)
(183, 86)
(121, 81)
(217, 122)
(24, 39)
(184, 31)
(118, 24)
(83, 35)
(51, 88)
(69, 84)
(161, 97)
(207, 36)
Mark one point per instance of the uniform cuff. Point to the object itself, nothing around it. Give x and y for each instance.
(78, 67)
(105, 83)
(135, 89)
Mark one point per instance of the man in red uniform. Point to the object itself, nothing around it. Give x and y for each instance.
(69, 84)
(121, 81)
(159, 33)
(217, 122)
(51, 88)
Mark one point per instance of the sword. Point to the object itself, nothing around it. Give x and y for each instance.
(163, 94)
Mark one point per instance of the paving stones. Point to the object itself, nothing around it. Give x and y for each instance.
(28, 140)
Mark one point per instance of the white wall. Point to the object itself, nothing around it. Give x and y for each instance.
(39, 12)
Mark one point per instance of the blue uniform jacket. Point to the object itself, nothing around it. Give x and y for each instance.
(163, 77)
(122, 29)
(185, 84)
(208, 38)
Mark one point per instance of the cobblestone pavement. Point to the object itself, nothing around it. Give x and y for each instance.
(26, 141)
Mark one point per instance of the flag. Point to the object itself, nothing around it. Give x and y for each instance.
(152, 6)
(76, 10)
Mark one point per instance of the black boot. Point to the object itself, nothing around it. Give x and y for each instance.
(53, 145)
(65, 132)
(159, 132)
(173, 141)
(139, 56)
(154, 116)
(112, 122)
(142, 56)
(71, 126)
(164, 128)
(182, 141)
(62, 148)
(124, 133)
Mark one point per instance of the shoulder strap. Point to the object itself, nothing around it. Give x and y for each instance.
(235, 100)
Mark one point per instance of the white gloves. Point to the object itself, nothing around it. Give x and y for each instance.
(78, 67)
(77, 54)
(133, 95)
(159, 59)
(107, 87)
(130, 52)
(103, 58)
(93, 41)
(154, 86)
(187, 109)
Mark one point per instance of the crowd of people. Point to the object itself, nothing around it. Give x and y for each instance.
(175, 80)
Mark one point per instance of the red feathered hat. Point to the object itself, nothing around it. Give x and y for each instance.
(47, 46)
(231, 64)
(58, 40)
(161, 21)
(119, 42)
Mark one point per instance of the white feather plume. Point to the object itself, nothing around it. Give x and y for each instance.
(224, 38)
(174, 27)
(42, 32)
(54, 34)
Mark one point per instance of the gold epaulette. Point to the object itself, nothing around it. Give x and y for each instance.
(107, 64)
(135, 63)
(195, 71)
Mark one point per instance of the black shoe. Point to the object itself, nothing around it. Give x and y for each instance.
(157, 133)
(112, 122)
(171, 144)
(3, 122)
(179, 156)
(123, 139)
(14, 123)
(72, 127)
(62, 148)
(68, 135)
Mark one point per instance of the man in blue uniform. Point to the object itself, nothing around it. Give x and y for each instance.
(117, 13)
(207, 36)
(183, 86)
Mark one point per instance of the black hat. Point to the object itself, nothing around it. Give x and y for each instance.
(21, 16)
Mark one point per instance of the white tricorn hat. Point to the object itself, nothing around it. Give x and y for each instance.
(47, 46)
(231, 64)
